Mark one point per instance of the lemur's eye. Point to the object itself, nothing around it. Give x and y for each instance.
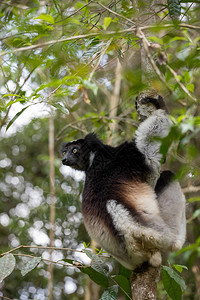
(75, 150)
(63, 153)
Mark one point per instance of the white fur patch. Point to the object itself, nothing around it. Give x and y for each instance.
(126, 225)
(141, 241)
(91, 158)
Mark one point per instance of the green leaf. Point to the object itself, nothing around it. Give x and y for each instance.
(193, 199)
(69, 261)
(173, 283)
(174, 8)
(97, 263)
(190, 87)
(110, 293)
(16, 116)
(61, 107)
(166, 142)
(106, 22)
(124, 284)
(86, 245)
(46, 18)
(180, 268)
(97, 277)
(195, 214)
(125, 272)
(10, 95)
(15, 101)
(7, 264)
(30, 265)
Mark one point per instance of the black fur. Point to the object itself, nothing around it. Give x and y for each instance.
(165, 178)
(111, 167)
(158, 103)
(124, 162)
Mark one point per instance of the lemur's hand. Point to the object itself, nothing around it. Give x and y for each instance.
(148, 102)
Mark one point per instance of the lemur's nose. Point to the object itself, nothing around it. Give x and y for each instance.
(64, 161)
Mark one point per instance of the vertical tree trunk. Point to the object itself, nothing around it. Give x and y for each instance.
(91, 288)
(52, 208)
(114, 101)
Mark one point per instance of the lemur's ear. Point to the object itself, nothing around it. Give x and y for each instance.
(162, 104)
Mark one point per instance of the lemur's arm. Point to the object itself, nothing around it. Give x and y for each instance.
(156, 124)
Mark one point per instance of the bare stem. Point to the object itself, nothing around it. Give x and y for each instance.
(52, 208)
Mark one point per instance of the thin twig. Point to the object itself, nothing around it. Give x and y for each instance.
(39, 247)
(191, 189)
(182, 25)
(127, 120)
(115, 13)
(52, 196)
(75, 12)
(6, 298)
(50, 261)
(44, 247)
(53, 92)
(100, 58)
(180, 83)
(120, 287)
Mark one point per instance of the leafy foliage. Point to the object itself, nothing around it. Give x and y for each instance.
(174, 8)
(7, 264)
(61, 56)
(110, 293)
(30, 265)
(173, 283)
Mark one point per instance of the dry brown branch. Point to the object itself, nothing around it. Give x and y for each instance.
(191, 189)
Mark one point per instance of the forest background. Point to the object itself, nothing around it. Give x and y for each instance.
(72, 67)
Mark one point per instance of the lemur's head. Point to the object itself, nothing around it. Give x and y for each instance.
(81, 153)
(73, 154)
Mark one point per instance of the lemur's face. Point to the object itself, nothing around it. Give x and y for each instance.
(72, 155)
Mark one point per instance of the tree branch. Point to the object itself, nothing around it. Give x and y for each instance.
(83, 36)
(115, 13)
(144, 282)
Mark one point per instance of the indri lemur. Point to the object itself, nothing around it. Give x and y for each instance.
(122, 212)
